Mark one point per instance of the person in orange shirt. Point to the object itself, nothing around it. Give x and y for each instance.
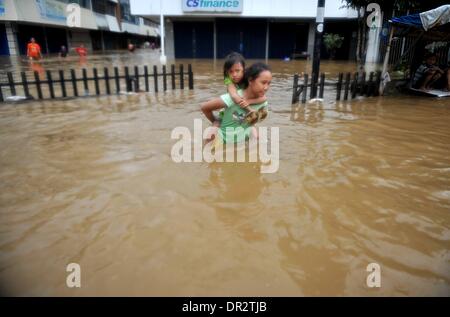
(81, 50)
(33, 50)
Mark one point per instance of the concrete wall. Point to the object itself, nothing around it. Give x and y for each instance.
(79, 37)
(29, 11)
(10, 11)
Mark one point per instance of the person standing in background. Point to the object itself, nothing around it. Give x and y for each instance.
(63, 51)
(33, 50)
(81, 50)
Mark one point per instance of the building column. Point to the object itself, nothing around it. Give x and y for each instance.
(311, 35)
(353, 44)
(373, 43)
(169, 39)
(46, 40)
(103, 40)
(11, 35)
(68, 41)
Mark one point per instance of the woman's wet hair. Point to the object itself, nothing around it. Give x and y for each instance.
(252, 72)
(230, 60)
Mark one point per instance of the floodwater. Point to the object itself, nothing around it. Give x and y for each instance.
(91, 181)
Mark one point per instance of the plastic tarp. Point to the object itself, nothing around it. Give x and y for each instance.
(426, 20)
(435, 17)
(408, 20)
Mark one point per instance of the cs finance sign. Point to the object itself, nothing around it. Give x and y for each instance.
(234, 6)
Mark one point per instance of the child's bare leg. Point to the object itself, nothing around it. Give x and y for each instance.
(427, 80)
(433, 80)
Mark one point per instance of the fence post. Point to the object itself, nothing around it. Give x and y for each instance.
(50, 84)
(354, 85)
(74, 82)
(106, 77)
(363, 85)
(127, 79)
(314, 83)
(38, 84)
(164, 78)
(181, 77)
(155, 77)
(136, 76)
(339, 86)
(25, 84)
(63, 84)
(1, 94)
(190, 77)
(370, 85)
(146, 78)
(85, 83)
(172, 73)
(305, 87)
(11, 84)
(377, 91)
(117, 79)
(97, 88)
(312, 88)
(322, 85)
(347, 84)
(294, 89)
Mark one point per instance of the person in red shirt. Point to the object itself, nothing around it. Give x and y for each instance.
(33, 50)
(81, 50)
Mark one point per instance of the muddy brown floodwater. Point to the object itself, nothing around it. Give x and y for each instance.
(92, 181)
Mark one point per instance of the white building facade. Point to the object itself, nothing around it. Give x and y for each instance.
(103, 24)
(256, 28)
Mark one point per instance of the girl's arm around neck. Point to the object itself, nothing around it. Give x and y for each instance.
(231, 88)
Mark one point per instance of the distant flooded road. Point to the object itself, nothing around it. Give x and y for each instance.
(91, 181)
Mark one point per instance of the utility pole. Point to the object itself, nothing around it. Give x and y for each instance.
(317, 45)
(162, 58)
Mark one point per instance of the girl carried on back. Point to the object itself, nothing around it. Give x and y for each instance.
(233, 74)
(239, 116)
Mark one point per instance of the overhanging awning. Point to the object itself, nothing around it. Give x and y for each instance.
(102, 23)
(112, 23)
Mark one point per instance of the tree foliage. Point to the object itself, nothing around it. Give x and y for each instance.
(332, 42)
